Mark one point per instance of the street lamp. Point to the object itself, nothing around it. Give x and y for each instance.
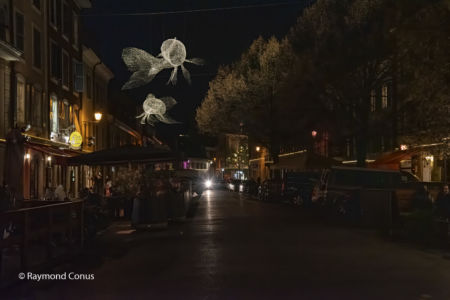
(98, 116)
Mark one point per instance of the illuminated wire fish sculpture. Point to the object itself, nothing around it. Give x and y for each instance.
(155, 110)
(145, 66)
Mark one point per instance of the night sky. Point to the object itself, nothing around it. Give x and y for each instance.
(219, 37)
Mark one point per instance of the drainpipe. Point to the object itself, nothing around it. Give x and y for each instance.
(13, 90)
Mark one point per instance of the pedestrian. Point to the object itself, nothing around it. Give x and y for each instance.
(108, 187)
(442, 205)
(60, 194)
(49, 195)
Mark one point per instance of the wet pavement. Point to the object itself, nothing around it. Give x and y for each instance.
(235, 248)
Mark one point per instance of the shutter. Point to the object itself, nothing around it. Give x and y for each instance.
(78, 77)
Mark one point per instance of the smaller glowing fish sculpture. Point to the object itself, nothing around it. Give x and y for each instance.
(155, 110)
(145, 66)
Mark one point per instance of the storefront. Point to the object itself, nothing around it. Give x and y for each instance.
(45, 167)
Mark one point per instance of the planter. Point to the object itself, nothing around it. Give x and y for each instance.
(149, 212)
(178, 207)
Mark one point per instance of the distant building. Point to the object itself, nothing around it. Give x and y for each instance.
(233, 156)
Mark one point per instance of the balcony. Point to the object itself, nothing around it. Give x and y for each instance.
(7, 51)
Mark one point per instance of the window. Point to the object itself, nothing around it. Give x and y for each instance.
(55, 61)
(54, 15)
(77, 68)
(20, 90)
(67, 20)
(37, 4)
(384, 96)
(88, 85)
(71, 115)
(373, 101)
(36, 104)
(19, 33)
(75, 29)
(54, 114)
(67, 110)
(37, 53)
(65, 69)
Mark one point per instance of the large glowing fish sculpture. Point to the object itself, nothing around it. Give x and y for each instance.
(145, 66)
(155, 110)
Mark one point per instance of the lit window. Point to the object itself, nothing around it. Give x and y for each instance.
(54, 114)
(384, 96)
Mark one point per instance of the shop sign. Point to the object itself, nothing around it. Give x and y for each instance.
(75, 140)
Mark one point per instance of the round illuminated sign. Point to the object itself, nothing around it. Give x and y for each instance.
(75, 139)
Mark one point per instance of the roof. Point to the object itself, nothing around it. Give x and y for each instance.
(123, 155)
(392, 160)
(304, 160)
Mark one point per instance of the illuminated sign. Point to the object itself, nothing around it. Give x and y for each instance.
(75, 140)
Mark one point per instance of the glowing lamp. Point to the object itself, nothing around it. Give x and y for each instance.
(258, 148)
(27, 156)
(208, 184)
(314, 133)
(98, 116)
(403, 147)
(49, 158)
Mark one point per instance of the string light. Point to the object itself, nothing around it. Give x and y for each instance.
(304, 2)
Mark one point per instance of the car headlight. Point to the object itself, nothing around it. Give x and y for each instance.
(208, 183)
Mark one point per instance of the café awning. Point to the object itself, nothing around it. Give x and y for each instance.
(391, 161)
(123, 155)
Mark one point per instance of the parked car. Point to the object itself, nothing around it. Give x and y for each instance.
(337, 188)
(270, 190)
(250, 187)
(221, 184)
(236, 185)
(298, 187)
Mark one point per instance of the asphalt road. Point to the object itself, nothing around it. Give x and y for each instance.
(235, 248)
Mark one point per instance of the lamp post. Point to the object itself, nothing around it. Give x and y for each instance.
(97, 118)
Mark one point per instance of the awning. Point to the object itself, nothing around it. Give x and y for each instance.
(392, 160)
(59, 155)
(123, 155)
(48, 150)
(303, 161)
